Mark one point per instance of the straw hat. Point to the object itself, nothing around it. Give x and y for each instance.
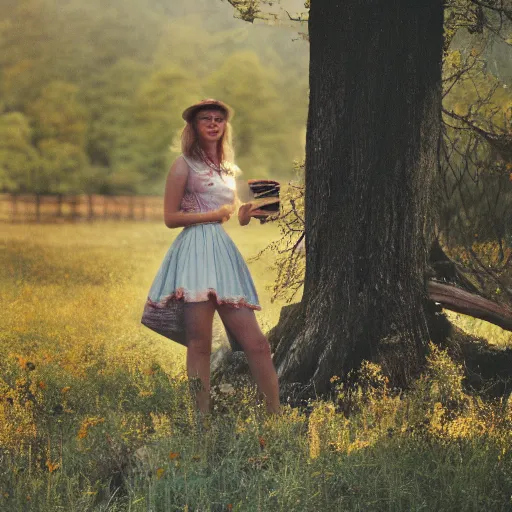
(190, 112)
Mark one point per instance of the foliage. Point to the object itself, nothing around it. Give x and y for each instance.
(253, 93)
(115, 80)
(19, 161)
(289, 249)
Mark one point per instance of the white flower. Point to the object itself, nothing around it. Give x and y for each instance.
(226, 388)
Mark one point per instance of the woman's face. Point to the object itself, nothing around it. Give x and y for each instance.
(210, 125)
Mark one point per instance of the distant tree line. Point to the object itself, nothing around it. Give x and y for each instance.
(91, 95)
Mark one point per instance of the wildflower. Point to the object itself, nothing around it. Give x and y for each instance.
(174, 455)
(86, 424)
(258, 462)
(41, 385)
(65, 389)
(160, 473)
(357, 445)
(334, 379)
(262, 443)
(22, 362)
(226, 388)
(52, 466)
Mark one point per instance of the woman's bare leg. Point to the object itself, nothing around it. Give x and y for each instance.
(243, 325)
(198, 327)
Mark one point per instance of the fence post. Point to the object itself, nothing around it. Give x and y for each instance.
(74, 213)
(14, 207)
(131, 208)
(59, 206)
(38, 207)
(90, 214)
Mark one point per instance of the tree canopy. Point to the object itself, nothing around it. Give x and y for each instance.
(101, 88)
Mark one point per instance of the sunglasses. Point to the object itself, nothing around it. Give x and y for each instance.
(211, 119)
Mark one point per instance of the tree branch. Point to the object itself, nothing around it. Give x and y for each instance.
(461, 301)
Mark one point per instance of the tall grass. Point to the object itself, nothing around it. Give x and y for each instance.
(95, 413)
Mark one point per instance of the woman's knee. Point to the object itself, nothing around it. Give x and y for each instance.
(257, 346)
(199, 346)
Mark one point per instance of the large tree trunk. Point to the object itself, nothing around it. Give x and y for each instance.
(371, 152)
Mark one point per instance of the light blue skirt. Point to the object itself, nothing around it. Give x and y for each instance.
(202, 263)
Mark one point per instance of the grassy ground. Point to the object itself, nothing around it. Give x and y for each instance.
(77, 286)
(95, 412)
(481, 329)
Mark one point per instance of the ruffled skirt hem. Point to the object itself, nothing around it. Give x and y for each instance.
(203, 296)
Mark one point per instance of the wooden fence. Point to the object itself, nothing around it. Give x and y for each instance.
(46, 209)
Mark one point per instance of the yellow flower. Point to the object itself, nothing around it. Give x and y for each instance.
(52, 466)
(160, 473)
(88, 423)
(66, 389)
(22, 362)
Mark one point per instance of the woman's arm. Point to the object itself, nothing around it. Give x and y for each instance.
(174, 191)
(243, 210)
(244, 215)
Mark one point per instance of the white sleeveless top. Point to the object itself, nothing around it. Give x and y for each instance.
(206, 189)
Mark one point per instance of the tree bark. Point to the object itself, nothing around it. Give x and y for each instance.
(371, 152)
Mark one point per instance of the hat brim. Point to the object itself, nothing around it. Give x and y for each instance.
(190, 112)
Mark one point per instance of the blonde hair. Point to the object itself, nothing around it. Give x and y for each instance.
(190, 142)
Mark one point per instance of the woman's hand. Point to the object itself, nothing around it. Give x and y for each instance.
(224, 212)
(244, 214)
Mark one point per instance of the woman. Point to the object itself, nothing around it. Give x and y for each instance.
(203, 271)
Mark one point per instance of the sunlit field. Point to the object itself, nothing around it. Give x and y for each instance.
(494, 334)
(95, 413)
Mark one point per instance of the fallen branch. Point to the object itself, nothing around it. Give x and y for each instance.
(461, 301)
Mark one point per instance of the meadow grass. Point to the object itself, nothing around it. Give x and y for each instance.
(95, 413)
